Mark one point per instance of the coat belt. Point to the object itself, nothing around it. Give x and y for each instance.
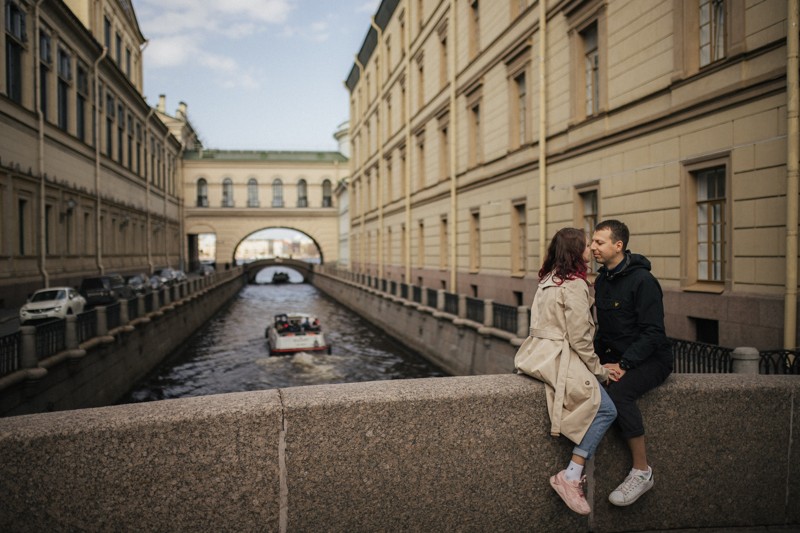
(561, 381)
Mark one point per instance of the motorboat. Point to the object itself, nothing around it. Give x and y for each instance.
(295, 332)
(280, 277)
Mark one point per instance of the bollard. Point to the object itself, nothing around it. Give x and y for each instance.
(71, 336)
(488, 313)
(523, 326)
(167, 293)
(745, 360)
(102, 321)
(440, 300)
(124, 316)
(27, 354)
(462, 306)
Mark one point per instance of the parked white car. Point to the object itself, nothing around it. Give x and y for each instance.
(54, 302)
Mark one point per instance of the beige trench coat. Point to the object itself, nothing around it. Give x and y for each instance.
(560, 352)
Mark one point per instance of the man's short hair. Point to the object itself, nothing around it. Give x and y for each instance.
(619, 231)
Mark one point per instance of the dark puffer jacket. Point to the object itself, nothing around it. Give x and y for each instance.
(630, 314)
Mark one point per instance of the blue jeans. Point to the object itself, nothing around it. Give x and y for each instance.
(605, 416)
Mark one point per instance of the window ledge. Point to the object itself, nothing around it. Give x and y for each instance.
(705, 286)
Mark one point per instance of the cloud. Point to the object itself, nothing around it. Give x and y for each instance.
(170, 52)
(368, 7)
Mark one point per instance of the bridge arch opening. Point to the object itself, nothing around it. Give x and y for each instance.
(270, 246)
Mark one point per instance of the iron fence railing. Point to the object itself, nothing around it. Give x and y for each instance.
(404, 290)
(383, 285)
(113, 315)
(416, 294)
(9, 353)
(700, 358)
(451, 303)
(393, 288)
(779, 362)
(504, 317)
(51, 338)
(432, 297)
(87, 325)
(133, 308)
(475, 309)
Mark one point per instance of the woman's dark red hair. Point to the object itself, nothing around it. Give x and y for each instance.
(565, 256)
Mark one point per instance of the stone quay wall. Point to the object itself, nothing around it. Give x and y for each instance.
(101, 370)
(458, 345)
(437, 454)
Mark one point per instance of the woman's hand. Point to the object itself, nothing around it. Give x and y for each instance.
(614, 371)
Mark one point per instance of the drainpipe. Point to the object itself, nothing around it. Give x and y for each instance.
(40, 154)
(361, 187)
(407, 177)
(165, 167)
(793, 103)
(451, 37)
(542, 131)
(149, 238)
(97, 136)
(379, 88)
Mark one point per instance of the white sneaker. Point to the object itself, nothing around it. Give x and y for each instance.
(631, 489)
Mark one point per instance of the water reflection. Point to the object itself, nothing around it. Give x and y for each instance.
(230, 353)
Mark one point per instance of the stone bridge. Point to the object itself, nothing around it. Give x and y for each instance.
(302, 267)
(439, 454)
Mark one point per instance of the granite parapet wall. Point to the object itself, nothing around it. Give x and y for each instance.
(437, 454)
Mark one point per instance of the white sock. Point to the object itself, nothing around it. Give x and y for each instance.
(647, 474)
(574, 471)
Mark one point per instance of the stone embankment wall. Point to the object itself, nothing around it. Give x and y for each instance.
(438, 454)
(458, 345)
(102, 370)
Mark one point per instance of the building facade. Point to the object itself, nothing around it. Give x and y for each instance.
(89, 175)
(480, 128)
(232, 194)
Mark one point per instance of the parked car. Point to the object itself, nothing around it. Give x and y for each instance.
(51, 303)
(104, 290)
(139, 284)
(156, 282)
(205, 269)
(169, 276)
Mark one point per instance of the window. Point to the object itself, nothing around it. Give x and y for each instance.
(277, 193)
(327, 197)
(16, 38)
(202, 193)
(45, 63)
(22, 227)
(475, 241)
(710, 224)
(443, 54)
(227, 192)
(107, 33)
(302, 193)
(48, 228)
(474, 28)
(128, 62)
(712, 31)
(475, 140)
(139, 152)
(109, 124)
(444, 245)
(519, 239)
(403, 170)
(421, 161)
(389, 183)
(518, 110)
(129, 151)
(252, 193)
(388, 246)
(118, 49)
(591, 62)
(421, 244)
(588, 216)
(420, 81)
(81, 96)
(389, 115)
(120, 132)
(64, 82)
(444, 147)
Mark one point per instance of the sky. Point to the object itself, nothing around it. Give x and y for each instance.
(255, 74)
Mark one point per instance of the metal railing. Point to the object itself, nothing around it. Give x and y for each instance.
(504, 317)
(404, 290)
(698, 357)
(475, 309)
(87, 325)
(451, 303)
(149, 301)
(393, 288)
(416, 294)
(133, 308)
(779, 362)
(113, 315)
(51, 338)
(9, 353)
(432, 297)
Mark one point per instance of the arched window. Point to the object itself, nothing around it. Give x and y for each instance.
(302, 193)
(277, 193)
(227, 192)
(327, 200)
(202, 193)
(252, 193)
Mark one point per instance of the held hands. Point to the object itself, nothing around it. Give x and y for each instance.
(614, 371)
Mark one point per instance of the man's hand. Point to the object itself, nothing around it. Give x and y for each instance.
(615, 371)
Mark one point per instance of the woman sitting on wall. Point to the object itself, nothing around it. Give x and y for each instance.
(559, 352)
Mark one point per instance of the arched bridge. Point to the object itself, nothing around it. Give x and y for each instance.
(305, 269)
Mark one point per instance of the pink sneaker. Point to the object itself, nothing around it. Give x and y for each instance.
(571, 492)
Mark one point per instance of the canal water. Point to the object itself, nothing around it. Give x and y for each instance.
(229, 354)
